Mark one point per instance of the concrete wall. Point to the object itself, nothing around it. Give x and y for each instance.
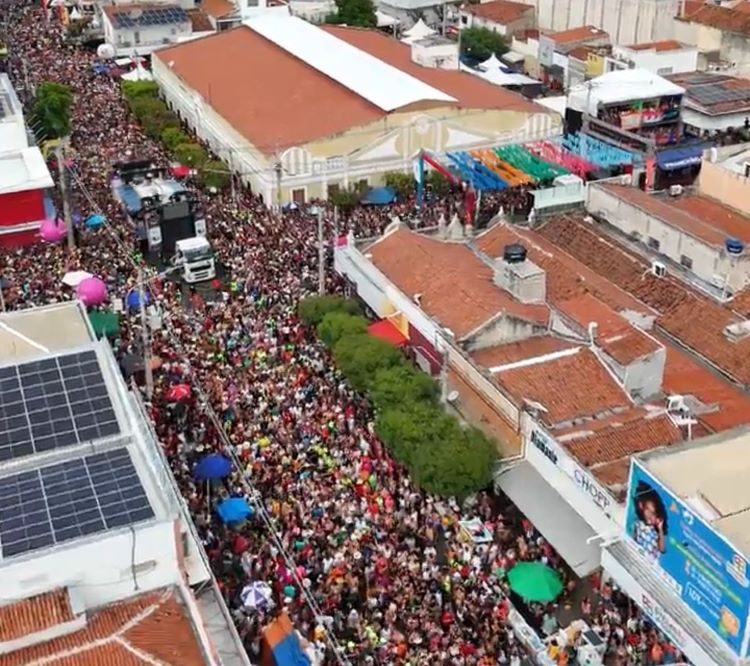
(732, 189)
(471, 21)
(710, 263)
(661, 63)
(712, 123)
(626, 21)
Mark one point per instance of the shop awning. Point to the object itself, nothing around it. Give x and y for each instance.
(555, 519)
(386, 330)
(378, 196)
(679, 158)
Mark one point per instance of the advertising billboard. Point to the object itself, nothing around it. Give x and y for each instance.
(708, 574)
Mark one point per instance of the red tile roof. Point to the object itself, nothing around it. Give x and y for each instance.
(564, 386)
(456, 287)
(218, 8)
(583, 33)
(263, 107)
(614, 335)
(721, 18)
(699, 216)
(664, 45)
(500, 11)
(199, 19)
(491, 357)
(35, 614)
(152, 628)
(696, 321)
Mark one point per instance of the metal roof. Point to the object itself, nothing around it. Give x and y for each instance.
(381, 84)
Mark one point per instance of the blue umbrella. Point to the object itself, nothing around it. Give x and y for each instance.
(134, 298)
(234, 510)
(213, 466)
(95, 221)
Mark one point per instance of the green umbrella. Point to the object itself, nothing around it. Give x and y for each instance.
(105, 323)
(534, 581)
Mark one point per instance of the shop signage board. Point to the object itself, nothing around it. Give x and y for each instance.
(582, 478)
(698, 563)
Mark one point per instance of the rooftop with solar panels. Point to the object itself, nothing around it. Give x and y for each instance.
(91, 520)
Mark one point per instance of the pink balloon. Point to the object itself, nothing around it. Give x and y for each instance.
(51, 231)
(92, 291)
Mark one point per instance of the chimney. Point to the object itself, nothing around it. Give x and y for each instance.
(515, 273)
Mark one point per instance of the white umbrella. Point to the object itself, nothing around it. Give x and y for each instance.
(74, 278)
(256, 595)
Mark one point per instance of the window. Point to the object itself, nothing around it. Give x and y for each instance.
(333, 189)
(686, 261)
(464, 20)
(137, 37)
(298, 196)
(653, 243)
(664, 71)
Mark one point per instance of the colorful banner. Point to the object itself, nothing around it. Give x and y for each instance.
(701, 567)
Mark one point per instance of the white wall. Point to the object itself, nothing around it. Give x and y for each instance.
(712, 123)
(589, 498)
(709, 262)
(99, 570)
(626, 21)
(144, 40)
(662, 63)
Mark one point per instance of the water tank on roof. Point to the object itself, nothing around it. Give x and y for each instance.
(515, 253)
(734, 246)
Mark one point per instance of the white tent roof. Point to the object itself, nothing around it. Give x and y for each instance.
(381, 84)
(620, 86)
(499, 78)
(385, 20)
(419, 30)
(491, 63)
(138, 74)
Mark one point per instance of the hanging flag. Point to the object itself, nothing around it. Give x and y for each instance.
(417, 166)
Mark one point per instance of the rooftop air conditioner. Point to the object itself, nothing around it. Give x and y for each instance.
(675, 190)
(658, 269)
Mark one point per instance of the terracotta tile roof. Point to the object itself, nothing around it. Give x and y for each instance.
(500, 11)
(691, 6)
(721, 18)
(743, 7)
(456, 287)
(564, 387)
(518, 351)
(216, 67)
(664, 45)
(567, 277)
(696, 321)
(580, 34)
(35, 614)
(580, 53)
(200, 20)
(469, 90)
(218, 8)
(615, 335)
(614, 475)
(152, 628)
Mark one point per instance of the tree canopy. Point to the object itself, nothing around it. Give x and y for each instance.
(444, 456)
(51, 111)
(480, 43)
(359, 13)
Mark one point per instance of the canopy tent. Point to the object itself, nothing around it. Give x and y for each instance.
(385, 20)
(387, 331)
(497, 75)
(281, 644)
(418, 31)
(622, 85)
(138, 73)
(105, 323)
(378, 196)
(680, 157)
(493, 62)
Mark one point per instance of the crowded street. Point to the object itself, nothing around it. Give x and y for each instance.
(369, 567)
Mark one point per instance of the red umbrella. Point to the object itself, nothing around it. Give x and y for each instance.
(180, 171)
(178, 393)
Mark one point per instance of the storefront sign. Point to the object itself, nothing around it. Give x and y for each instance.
(553, 452)
(698, 563)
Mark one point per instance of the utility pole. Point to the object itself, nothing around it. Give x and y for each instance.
(2, 296)
(231, 178)
(335, 223)
(278, 186)
(64, 194)
(321, 255)
(146, 341)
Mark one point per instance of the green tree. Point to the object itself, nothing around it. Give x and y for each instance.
(312, 309)
(133, 89)
(480, 43)
(191, 154)
(402, 385)
(154, 115)
(359, 357)
(215, 174)
(336, 325)
(438, 184)
(402, 183)
(359, 13)
(51, 111)
(404, 429)
(172, 137)
(346, 199)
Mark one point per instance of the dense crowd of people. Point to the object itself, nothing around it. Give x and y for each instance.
(380, 559)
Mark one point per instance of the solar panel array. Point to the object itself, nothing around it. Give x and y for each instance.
(77, 498)
(52, 404)
(142, 18)
(716, 94)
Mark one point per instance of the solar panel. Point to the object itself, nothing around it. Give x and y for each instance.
(77, 498)
(53, 403)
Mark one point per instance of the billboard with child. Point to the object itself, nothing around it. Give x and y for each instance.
(700, 565)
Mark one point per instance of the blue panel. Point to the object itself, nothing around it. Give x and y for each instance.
(679, 158)
(289, 653)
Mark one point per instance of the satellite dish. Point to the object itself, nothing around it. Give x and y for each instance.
(105, 52)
